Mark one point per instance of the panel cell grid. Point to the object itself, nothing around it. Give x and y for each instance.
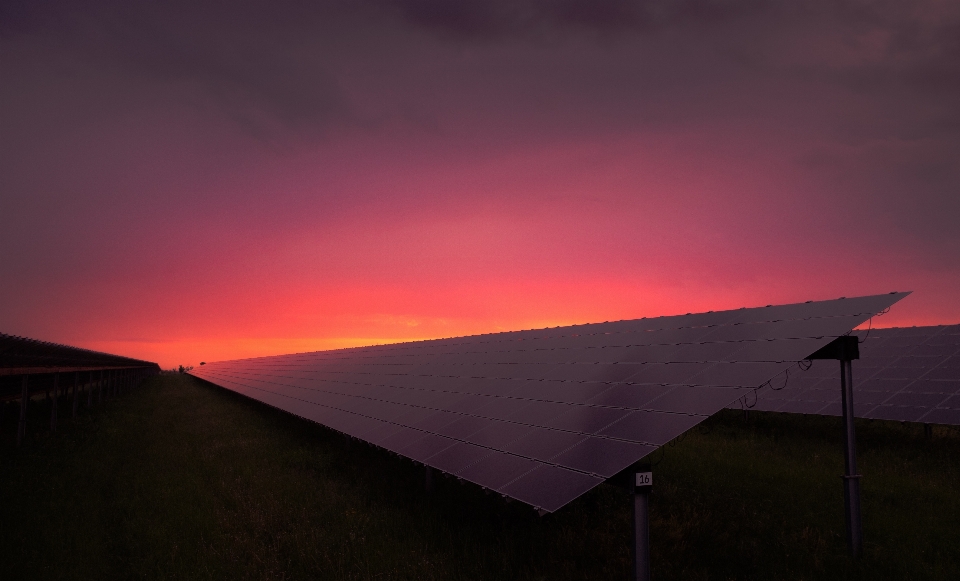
(544, 415)
(904, 374)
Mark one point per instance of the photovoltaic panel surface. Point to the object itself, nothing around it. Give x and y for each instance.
(22, 355)
(908, 374)
(545, 415)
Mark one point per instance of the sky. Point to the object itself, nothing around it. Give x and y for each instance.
(197, 181)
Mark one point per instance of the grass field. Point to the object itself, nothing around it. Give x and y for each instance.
(182, 480)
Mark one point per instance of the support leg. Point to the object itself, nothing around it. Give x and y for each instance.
(53, 409)
(100, 389)
(428, 479)
(928, 431)
(643, 482)
(851, 480)
(24, 396)
(76, 380)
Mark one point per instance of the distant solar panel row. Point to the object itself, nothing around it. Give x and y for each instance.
(908, 374)
(545, 415)
(22, 355)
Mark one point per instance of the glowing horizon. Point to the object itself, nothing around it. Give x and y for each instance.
(179, 187)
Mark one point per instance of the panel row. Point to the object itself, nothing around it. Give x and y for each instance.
(457, 415)
(544, 415)
(905, 374)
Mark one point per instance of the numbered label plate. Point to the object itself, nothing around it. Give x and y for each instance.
(644, 478)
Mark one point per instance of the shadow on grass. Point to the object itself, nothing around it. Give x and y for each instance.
(181, 479)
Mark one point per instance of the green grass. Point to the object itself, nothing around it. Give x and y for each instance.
(182, 480)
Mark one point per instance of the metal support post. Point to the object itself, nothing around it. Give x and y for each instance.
(24, 396)
(53, 409)
(100, 389)
(89, 385)
(642, 483)
(76, 380)
(428, 479)
(928, 431)
(851, 480)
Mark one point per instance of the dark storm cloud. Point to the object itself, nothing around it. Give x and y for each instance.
(283, 58)
(867, 92)
(286, 59)
(146, 147)
(879, 44)
(494, 19)
(243, 56)
(469, 18)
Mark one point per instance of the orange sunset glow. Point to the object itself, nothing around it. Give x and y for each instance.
(177, 187)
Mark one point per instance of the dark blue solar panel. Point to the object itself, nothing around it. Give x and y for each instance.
(943, 416)
(654, 428)
(458, 457)
(499, 434)
(549, 487)
(903, 374)
(498, 470)
(543, 444)
(544, 415)
(602, 457)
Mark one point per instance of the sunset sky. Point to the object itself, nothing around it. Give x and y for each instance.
(195, 181)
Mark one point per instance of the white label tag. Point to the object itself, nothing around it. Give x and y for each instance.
(644, 478)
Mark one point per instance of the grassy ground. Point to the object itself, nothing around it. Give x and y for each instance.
(185, 481)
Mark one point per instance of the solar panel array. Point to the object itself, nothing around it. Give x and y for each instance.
(545, 415)
(19, 355)
(908, 374)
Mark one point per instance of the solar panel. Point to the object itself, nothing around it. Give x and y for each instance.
(545, 415)
(909, 374)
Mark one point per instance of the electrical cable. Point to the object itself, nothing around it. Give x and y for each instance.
(867, 336)
(663, 452)
(870, 324)
(786, 379)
